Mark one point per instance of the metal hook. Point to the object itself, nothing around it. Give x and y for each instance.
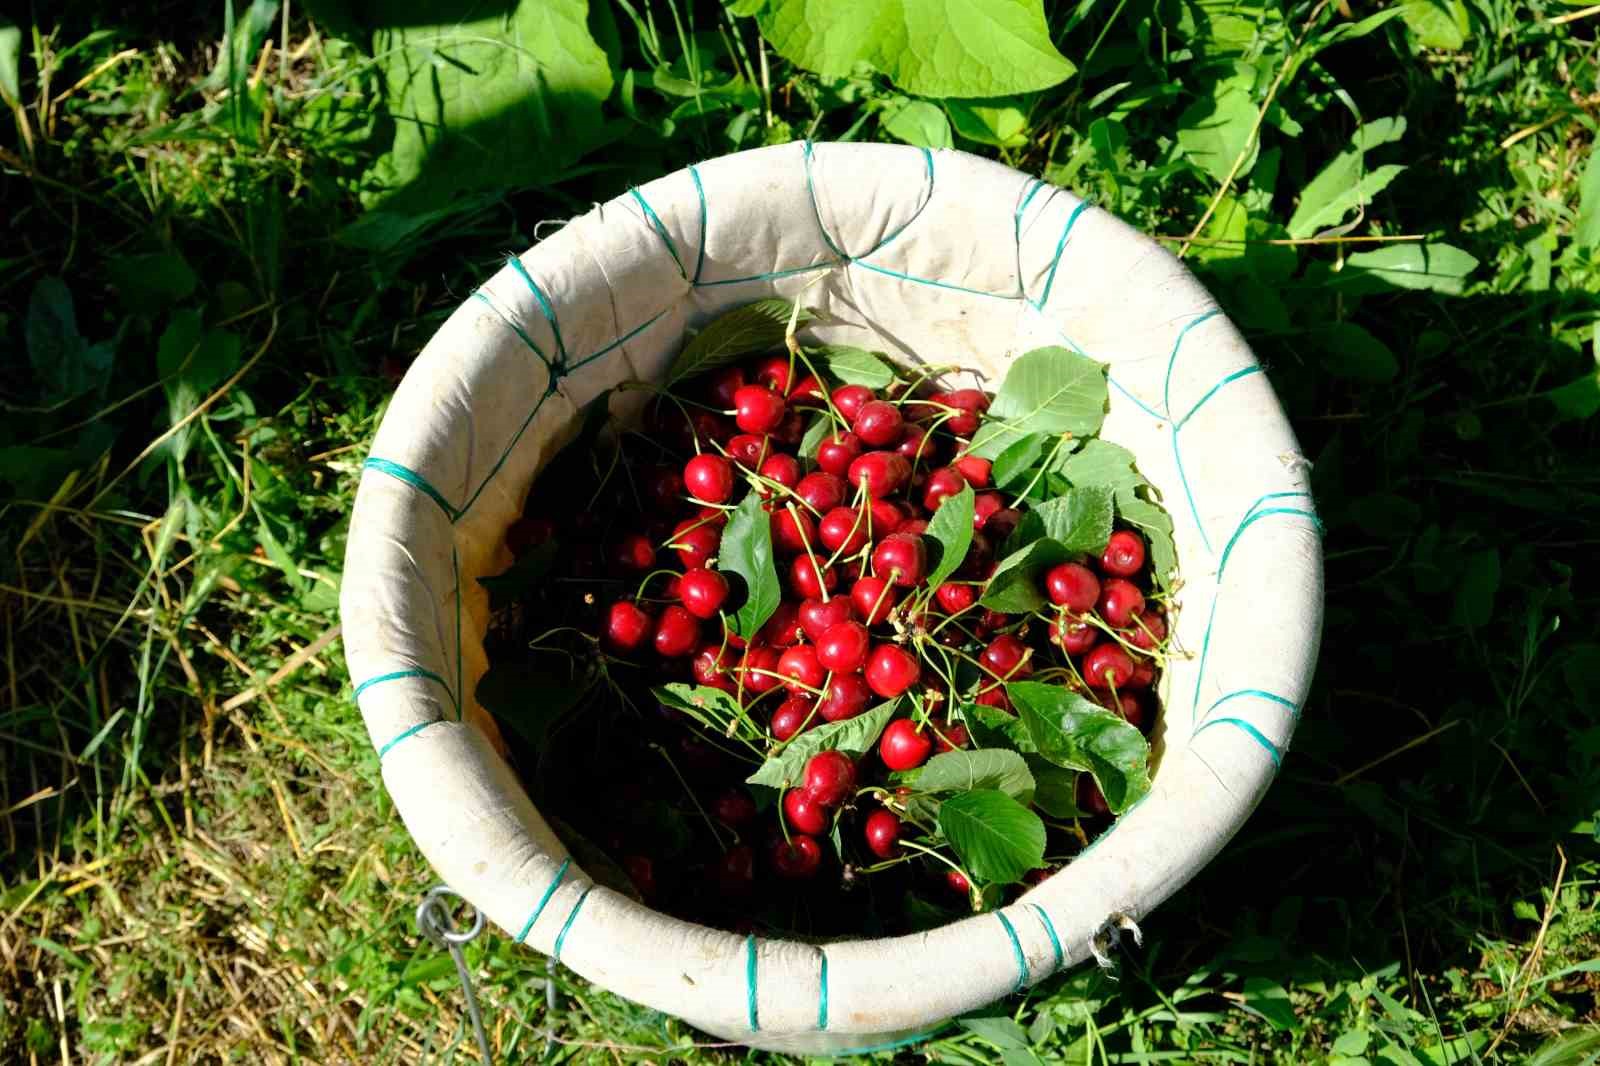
(437, 924)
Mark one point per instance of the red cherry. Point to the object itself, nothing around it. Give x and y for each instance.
(881, 473)
(759, 669)
(847, 696)
(886, 517)
(677, 632)
(702, 592)
(984, 507)
(1147, 631)
(903, 746)
(800, 668)
(843, 648)
(797, 858)
(792, 714)
(873, 598)
(1131, 710)
(849, 399)
(792, 530)
(970, 403)
(748, 450)
(807, 581)
(882, 832)
(758, 409)
(955, 598)
(1090, 799)
(830, 777)
(958, 882)
(783, 628)
(1107, 666)
(902, 558)
(711, 666)
(695, 541)
(948, 736)
(891, 670)
(843, 529)
(816, 617)
(791, 430)
(664, 486)
(914, 528)
(1002, 523)
(773, 372)
(809, 390)
(706, 426)
(1120, 601)
(942, 483)
(836, 453)
(1073, 635)
(734, 807)
(1072, 586)
(736, 872)
(627, 626)
(917, 446)
(821, 491)
(1006, 658)
(782, 468)
(709, 478)
(634, 552)
(804, 814)
(1144, 674)
(1124, 554)
(724, 383)
(994, 696)
(642, 872)
(878, 424)
(974, 470)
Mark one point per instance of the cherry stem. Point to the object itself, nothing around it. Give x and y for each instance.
(639, 594)
(887, 586)
(805, 542)
(785, 678)
(1044, 466)
(690, 792)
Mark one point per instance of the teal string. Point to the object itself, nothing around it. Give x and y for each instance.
(1252, 519)
(483, 298)
(1242, 372)
(1252, 731)
(405, 734)
(930, 282)
(750, 983)
(555, 883)
(892, 1045)
(1188, 494)
(396, 675)
(1172, 360)
(455, 569)
(544, 306)
(1016, 948)
(620, 341)
(561, 937)
(822, 997)
(927, 198)
(1050, 928)
(661, 230)
(1016, 228)
(410, 477)
(1061, 246)
(700, 191)
(816, 211)
(1146, 408)
(1257, 693)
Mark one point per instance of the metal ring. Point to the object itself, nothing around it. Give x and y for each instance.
(436, 922)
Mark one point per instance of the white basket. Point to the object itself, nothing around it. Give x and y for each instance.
(942, 257)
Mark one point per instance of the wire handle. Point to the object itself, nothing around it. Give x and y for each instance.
(436, 922)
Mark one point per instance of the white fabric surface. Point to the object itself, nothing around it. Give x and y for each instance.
(951, 258)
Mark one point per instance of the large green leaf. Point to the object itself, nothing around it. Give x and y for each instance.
(1080, 521)
(746, 550)
(151, 280)
(1014, 465)
(1215, 130)
(951, 529)
(936, 48)
(1346, 183)
(854, 366)
(992, 727)
(1441, 24)
(996, 838)
(1002, 123)
(485, 95)
(1055, 788)
(916, 122)
(853, 736)
(754, 327)
(962, 771)
(191, 361)
(1047, 390)
(1353, 353)
(10, 62)
(1078, 735)
(1586, 231)
(1435, 266)
(65, 364)
(1101, 463)
(1011, 587)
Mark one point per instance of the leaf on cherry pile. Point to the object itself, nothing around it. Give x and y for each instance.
(1080, 521)
(1053, 532)
(1101, 463)
(1076, 734)
(951, 529)
(962, 771)
(693, 700)
(820, 428)
(853, 736)
(992, 727)
(1055, 789)
(1047, 390)
(1014, 465)
(746, 550)
(755, 327)
(997, 839)
(855, 366)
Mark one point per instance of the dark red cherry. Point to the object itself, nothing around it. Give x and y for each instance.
(702, 592)
(1107, 666)
(804, 814)
(882, 833)
(830, 777)
(1124, 554)
(1006, 658)
(749, 450)
(634, 552)
(800, 668)
(843, 529)
(984, 508)
(759, 669)
(1073, 586)
(792, 530)
(792, 714)
(677, 632)
(709, 478)
(736, 872)
(1147, 631)
(880, 473)
(782, 468)
(723, 383)
(901, 558)
(942, 483)
(773, 372)
(695, 541)
(821, 491)
(975, 470)
(807, 580)
(903, 746)
(783, 628)
(873, 598)
(878, 424)
(797, 858)
(891, 670)
(1120, 601)
(843, 648)
(849, 399)
(627, 627)
(836, 453)
(712, 665)
(816, 617)
(847, 695)
(954, 597)
(734, 807)
(1073, 635)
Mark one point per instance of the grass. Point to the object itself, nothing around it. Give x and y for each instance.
(199, 861)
